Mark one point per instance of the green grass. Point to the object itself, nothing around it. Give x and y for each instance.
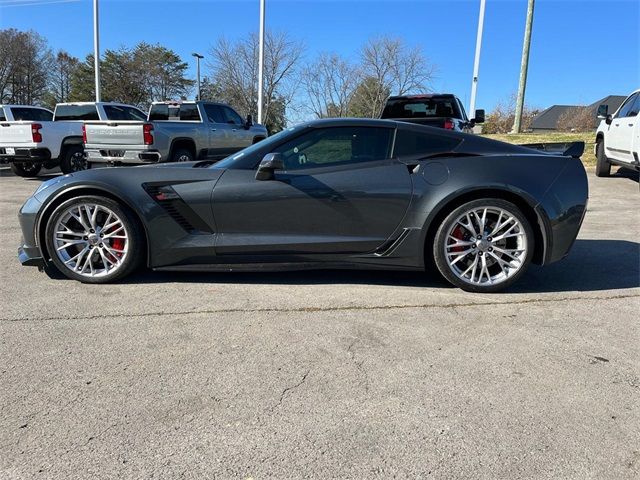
(588, 158)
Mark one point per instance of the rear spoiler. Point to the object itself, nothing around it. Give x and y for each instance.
(571, 149)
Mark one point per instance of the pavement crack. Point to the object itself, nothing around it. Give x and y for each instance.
(344, 308)
(286, 391)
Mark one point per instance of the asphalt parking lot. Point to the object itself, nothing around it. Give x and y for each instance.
(327, 374)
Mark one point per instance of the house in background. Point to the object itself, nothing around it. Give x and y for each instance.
(547, 120)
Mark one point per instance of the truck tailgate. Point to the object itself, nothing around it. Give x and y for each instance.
(114, 133)
(15, 133)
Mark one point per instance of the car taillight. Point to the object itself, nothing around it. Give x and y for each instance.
(448, 124)
(36, 136)
(147, 130)
(84, 134)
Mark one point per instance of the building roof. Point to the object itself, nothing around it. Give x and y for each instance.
(614, 102)
(548, 118)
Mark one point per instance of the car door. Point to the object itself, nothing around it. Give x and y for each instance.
(241, 137)
(339, 193)
(620, 137)
(219, 131)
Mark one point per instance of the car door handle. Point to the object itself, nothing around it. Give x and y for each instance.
(214, 129)
(631, 124)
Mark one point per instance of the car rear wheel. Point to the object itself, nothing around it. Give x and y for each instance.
(26, 169)
(73, 159)
(603, 166)
(182, 155)
(94, 240)
(484, 246)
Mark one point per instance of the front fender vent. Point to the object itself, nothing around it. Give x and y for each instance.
(178, 210)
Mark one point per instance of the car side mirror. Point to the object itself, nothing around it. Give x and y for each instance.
(603, 111)
(609, 119)
(249, 123)
(269, 164)
(479, 118)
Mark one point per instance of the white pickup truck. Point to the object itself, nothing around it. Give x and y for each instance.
(173, 132)
(32, 137)
(618, 136)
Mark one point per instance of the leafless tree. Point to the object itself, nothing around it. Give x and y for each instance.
(501, 119)
(330, 83)
(577, 119)
(389, 65)
(234, 71)
(25, 60)
(62, 71)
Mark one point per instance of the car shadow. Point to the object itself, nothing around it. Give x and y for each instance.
(592, 265)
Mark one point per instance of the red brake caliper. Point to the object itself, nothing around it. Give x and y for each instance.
(458, 233)
(117, 244)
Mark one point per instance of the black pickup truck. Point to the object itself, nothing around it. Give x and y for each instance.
(443, 110)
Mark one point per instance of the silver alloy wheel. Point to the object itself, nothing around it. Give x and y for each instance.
(91, 240)
(486, 246)
(184, 158)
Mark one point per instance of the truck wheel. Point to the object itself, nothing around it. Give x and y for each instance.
(603, 166)
(73, 159)
(26, 169)
(182, 155)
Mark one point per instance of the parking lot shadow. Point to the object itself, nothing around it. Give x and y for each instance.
(627, 173)
(591, 266)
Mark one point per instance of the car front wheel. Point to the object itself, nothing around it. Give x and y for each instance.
(94, 240)
(484, 246)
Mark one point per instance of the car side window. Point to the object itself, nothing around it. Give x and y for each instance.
(189, 112)
(323, 147)
(635, 108)
(3, 118)
(214, 113)
(232, 116)
(415, 144)
(626, 108)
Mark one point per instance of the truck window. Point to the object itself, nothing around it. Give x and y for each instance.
(421, 108)
(232, 116)
(409, 143)
(214, 113)
(76, 112)
(37, 114)
(189, 111)
(626, 108)
(165, 111)
(123, 112)
(3, 117)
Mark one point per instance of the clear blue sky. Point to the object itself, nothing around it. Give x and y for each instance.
(581, 50)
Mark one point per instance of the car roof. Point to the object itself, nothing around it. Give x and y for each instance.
(24, 106)
(422, 95)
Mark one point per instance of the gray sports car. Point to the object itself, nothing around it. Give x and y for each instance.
(368, 194)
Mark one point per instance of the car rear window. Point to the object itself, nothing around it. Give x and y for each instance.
(76, 112)
(415, 143)
(38, 114)
(421, 108)
(171, 112)
(123, 112)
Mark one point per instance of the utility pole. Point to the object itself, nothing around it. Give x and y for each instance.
(198, 57)
(261, 62)
(476, 63)
(96, 48)
(524, 67)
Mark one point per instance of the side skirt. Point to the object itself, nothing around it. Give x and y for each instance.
(281, 267)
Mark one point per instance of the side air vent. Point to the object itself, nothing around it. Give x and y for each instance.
(177, 209)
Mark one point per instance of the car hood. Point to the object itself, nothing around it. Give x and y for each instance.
(126, 181)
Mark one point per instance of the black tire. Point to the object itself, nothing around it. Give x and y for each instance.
(135, 238)
(524, 235)
(26, 169)
(603, 166)
(182, 155)
(73, 159)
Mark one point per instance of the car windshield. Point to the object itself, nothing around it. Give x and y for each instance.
(244, 158)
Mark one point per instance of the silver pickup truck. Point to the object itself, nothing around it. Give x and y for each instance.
(173, 132)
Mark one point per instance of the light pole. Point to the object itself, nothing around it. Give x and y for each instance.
(261, 61)
(476, 62)
(524, 67)
(198, 57)
(96, 48)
